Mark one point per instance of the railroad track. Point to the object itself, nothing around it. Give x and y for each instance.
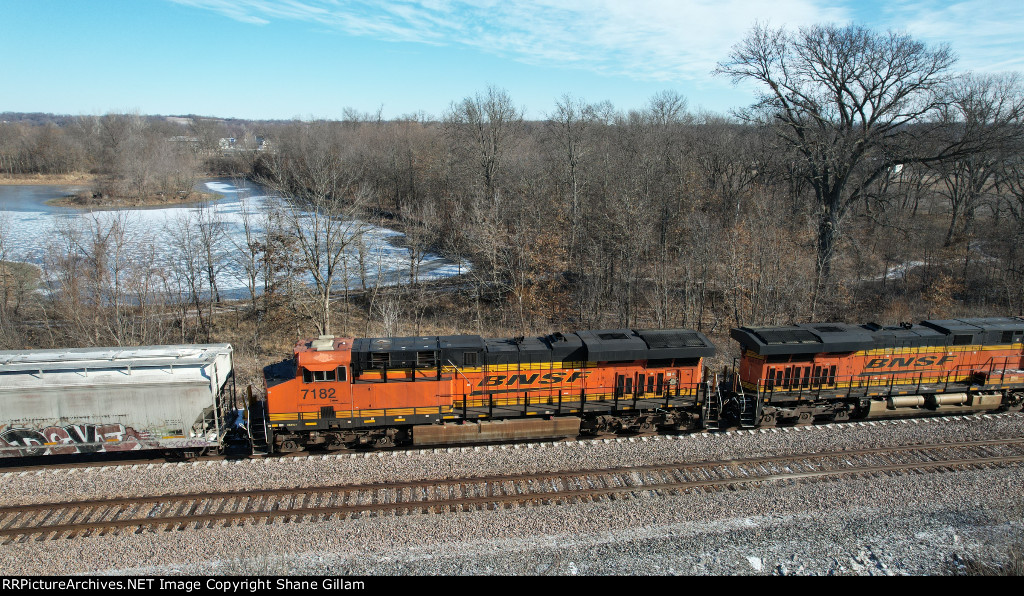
(133, 458)
(171, 512)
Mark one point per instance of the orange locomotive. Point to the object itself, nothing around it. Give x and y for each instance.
(339, 392)
(836, 371)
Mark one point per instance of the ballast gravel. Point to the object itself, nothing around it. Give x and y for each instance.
(885, 525)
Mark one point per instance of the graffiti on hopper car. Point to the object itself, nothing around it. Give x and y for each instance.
(65, 440)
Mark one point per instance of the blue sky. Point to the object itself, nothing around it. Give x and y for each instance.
(313, 58)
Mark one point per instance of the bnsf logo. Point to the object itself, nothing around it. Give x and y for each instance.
(904, 362)
(548, 378)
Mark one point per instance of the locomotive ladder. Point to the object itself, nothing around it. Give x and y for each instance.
(712, 407)
(749, 414)
(259, 426)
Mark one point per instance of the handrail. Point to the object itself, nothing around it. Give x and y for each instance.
(458, 370)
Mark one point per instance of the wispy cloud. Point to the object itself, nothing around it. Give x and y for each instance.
(235, 10)
(644, 39)
(985, 33)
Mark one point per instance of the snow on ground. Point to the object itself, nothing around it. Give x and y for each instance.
(31, 229)
(899, 271)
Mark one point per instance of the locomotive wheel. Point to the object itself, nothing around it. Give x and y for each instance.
(1016, 402)
(334, 442)
(805, 418)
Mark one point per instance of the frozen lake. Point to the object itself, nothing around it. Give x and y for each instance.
(31, 229)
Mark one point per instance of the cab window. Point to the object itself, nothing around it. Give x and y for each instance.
(323, 376)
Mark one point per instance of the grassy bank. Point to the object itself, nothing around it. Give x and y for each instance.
(47, 179)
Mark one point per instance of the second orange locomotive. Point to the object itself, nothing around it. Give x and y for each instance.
(836, 371)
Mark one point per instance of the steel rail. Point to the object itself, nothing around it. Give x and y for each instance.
(203, 508)
(502, 478)
(47, 461)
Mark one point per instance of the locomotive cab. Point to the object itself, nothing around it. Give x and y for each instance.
(310, 390)
(322, 374)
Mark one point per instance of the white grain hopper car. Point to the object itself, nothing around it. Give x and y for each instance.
(86, 400)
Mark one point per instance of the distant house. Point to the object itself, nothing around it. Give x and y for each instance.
(228, 143)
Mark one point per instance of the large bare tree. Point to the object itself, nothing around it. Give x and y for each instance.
(847, 100)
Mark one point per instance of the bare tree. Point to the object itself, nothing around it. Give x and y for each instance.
(110, 253)
(188, 273)
(90, 270)
(484, 127)
(324, 231)
(5, 269)
(277, 266)
(983, 107)
(212, 237)
(143, 281)
(207, 133)
(16, 284)
(568, 127)
(388, 308)
(846, 99)
(314, 169)
(248, 249)
(68, 300)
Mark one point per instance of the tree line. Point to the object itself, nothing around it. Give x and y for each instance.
(869, 181)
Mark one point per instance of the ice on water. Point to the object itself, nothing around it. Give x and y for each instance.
(29, 233)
